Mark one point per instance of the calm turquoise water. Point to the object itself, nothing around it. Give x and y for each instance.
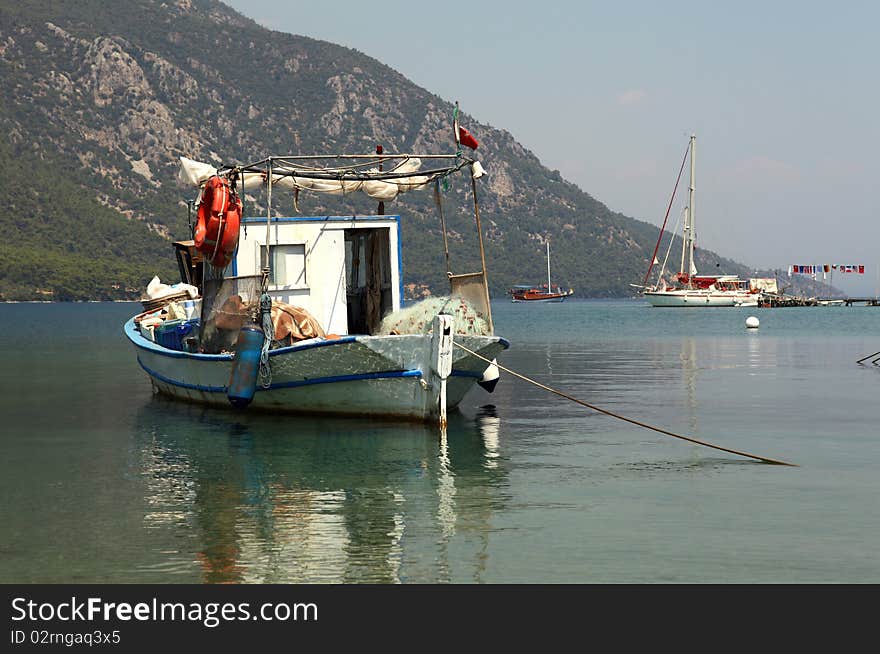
(102, 482)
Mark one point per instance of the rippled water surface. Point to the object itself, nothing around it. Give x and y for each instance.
(102, 482)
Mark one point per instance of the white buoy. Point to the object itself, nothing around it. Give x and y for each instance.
(752, 322)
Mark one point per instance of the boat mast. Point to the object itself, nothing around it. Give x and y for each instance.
(692, 231)
(548, 266)
(687, 246)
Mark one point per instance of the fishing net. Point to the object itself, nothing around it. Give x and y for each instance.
(419, 318)
(227, 305)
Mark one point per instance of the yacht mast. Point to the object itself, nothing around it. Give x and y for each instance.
(548, 266)
(692, 232)
(687, 236)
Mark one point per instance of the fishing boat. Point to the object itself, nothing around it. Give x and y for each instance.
(687, 288)
(306, 313)
(542, 293)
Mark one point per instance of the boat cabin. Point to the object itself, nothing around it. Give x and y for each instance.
(344, 270)
(713, 282)
(732, 283)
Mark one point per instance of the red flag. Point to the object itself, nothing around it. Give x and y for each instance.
(465, 138)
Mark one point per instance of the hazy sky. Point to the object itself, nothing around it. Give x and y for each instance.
(784, 98)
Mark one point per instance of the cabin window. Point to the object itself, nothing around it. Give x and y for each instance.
(288, 265)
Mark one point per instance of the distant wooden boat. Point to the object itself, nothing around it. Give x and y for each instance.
(538, 294)
(542, 293)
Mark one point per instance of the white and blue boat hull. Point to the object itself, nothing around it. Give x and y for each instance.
(382, 376)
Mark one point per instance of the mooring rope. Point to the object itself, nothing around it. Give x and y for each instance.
(620, 417)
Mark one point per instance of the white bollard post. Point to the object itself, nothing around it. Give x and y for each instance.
(443, 324)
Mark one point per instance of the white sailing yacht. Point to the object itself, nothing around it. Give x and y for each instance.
(689, 289)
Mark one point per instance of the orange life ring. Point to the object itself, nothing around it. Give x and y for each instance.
(219, 218)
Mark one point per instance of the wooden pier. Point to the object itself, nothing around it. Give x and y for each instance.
(769, 301)
(867, 301)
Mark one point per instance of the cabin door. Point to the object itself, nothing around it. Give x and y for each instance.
(367, 278)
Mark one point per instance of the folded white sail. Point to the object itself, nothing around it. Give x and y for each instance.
(196, 173)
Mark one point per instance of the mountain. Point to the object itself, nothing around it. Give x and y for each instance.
(100, 99)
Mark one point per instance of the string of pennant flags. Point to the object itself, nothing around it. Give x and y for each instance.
(825, 269)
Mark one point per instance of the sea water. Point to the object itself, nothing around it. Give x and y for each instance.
(104, 482)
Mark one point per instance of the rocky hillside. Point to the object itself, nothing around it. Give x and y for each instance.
(99, 99)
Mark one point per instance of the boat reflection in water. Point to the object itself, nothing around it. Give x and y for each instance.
(244, 498)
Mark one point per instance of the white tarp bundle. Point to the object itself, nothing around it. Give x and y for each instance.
(195, 173)
(156, 289)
